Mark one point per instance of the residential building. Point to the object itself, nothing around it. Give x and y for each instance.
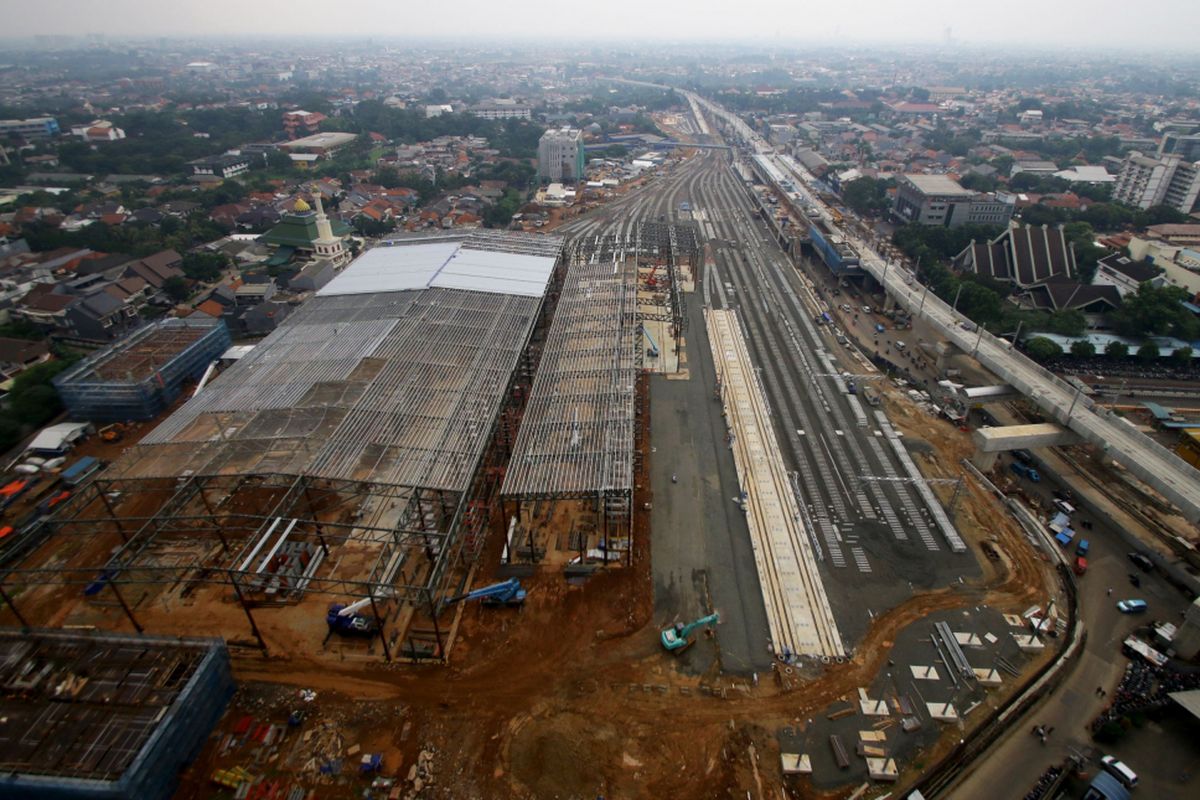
(1086, 174)
(940, 200)
(98, 131)
(302, 123)
(99, 317)
(561, 155)
(223, 166)
(1184, 145)
(1146, 181)
(1125, 273)
(33, 128)
(18, 355)
(313, 148)
(502, 109)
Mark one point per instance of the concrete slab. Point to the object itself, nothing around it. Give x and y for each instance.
(923, 673)
(942, 712)
(987, 677)
(1029, 643)
(796, 763)
(882, 769)
(869, 707)
(967, 639)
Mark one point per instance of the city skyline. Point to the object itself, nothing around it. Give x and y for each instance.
(1074, 24)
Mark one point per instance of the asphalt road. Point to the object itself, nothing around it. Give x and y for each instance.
(1071, 708)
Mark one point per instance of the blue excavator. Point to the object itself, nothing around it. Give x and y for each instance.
(505, 593)
(677, 638)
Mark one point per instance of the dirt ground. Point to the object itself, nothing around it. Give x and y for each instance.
(572, 697)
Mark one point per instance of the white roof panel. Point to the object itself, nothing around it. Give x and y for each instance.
(392, 269)
(444, 265)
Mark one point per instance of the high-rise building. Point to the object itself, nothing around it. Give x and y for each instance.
(1146, 181)
(560, 155)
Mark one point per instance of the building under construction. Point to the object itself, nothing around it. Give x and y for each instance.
(568, 491)
(140, 376)
(97, 715)
(353, 454)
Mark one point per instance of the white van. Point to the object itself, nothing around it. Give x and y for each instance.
(1119, 771)
(1064, 507)
(900, 345)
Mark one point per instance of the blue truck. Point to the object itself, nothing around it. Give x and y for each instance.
(1026, 471)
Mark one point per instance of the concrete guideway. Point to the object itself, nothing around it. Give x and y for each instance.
(1145, 458)
(798, 611)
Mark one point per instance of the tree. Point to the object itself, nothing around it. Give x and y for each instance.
(1042, 349)
(1116, 349)
(1156, 311)
(36, 404)
(279, 161)
(176, 288)
(203, 267)
(1148, 352)
(867, 196)
(1182, 356)
(1083, 349)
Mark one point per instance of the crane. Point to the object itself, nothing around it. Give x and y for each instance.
(675, 638)
(652, 350)
(345, 619)
(505, 593)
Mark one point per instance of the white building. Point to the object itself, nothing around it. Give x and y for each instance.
(561, 155)
(503, 108)
(1146, 181)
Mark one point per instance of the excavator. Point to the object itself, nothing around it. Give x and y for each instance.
(676, 638)
(505, 593)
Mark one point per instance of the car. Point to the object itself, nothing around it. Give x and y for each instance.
(1134, 579)
(879, 327)
(846, 307)
(866, 309)
(1141, 561)
(968, 326)
(1132, 606)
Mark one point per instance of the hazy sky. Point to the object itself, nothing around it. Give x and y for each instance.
(1082, 24)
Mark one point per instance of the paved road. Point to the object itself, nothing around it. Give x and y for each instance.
(1073, 706)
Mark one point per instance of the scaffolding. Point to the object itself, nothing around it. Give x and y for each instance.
(140, 376)
(355, 452)
(86, 714)
(578, 439)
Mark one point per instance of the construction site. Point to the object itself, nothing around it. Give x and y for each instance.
(104, 715)
(467, 417)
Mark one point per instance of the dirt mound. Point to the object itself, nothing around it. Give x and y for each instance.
(564, 755)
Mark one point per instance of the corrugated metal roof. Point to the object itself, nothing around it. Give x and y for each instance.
(445, 265)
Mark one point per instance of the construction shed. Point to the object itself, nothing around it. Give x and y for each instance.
(97, 715)
(141, 375)
(353, 455)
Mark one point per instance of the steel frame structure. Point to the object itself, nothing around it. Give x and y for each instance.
(417, 534)
(579, 434)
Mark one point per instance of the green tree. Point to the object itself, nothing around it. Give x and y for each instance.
(867, 196)
(1116, 349)
(279, 161)
(1083, 349)
(1042, 349)
(176, 288)
(1182, 355)
(1156, 311)
(35, 405)
(1148, 352)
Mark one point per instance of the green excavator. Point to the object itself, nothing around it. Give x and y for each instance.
(676, 638)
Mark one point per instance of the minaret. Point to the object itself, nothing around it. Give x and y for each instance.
(324, 229)
(326, 245)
